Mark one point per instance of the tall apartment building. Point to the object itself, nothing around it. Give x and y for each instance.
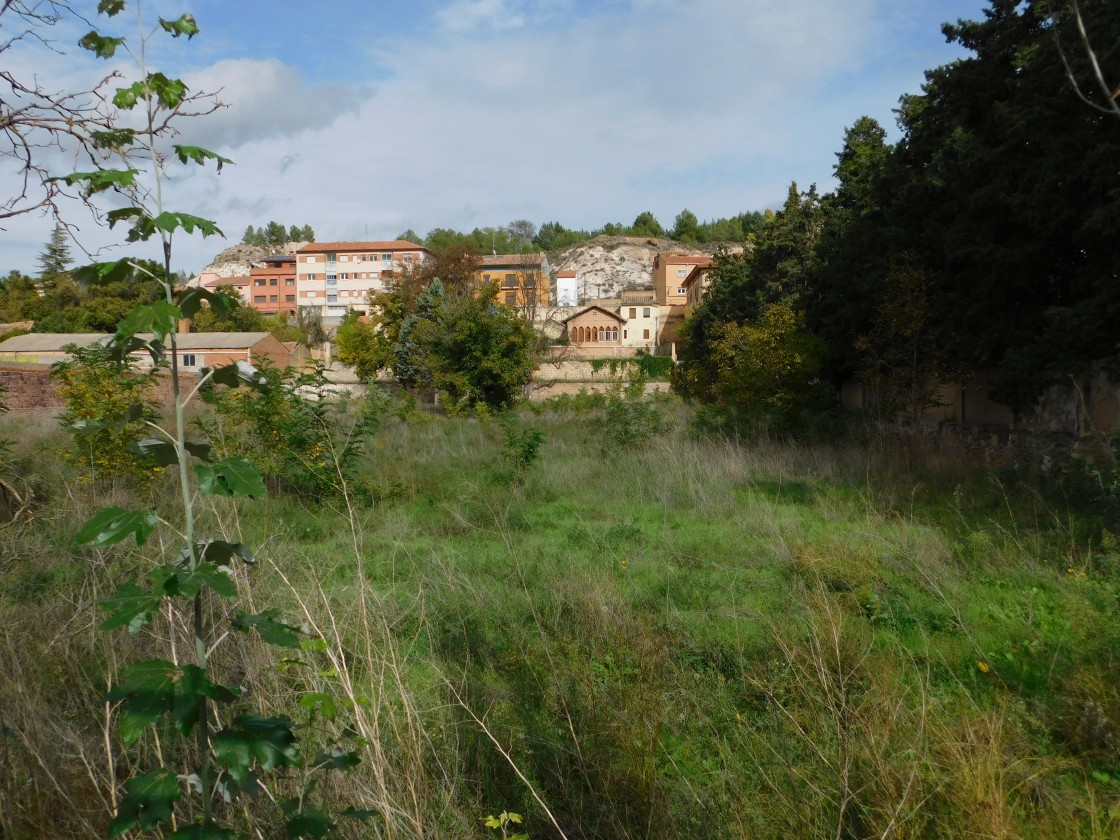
(272, 285)
(332, 277)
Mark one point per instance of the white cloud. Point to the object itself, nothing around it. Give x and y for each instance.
(469, 15)
(510, 110)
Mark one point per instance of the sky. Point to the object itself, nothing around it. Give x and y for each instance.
(366, 119)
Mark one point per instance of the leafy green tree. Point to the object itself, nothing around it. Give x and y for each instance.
(521, 233)
(472, 349)
(686, 227)
(251, 236)
(306, 234)
(55, 260)
(547, 234)
(646, 224)
(769, 370)
(410, 235)
(853, 255)
(363, 346)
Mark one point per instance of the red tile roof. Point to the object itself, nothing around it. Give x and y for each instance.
(566, 274)
(498, 260)
(686, 259)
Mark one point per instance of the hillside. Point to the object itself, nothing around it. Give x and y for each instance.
(236, 260)
(606, 264)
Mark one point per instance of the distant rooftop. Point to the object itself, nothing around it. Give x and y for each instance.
(503, 260)
(327, 247)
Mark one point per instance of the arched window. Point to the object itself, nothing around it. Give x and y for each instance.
(614, 334)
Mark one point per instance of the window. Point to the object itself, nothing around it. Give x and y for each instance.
(645, 312)
(344, 293)
(509, 281)
(273, 282)
(258, 299)
(311, 277)
(289, 298)
(374, 274)
(345, 276)
(511, 298)
(386, 258)
(331, 258)
(332, 297)
(681, 291)
(645, 334)
(332, 279)
(189, 360)
(682, 272)
(311, 294)
(272, 298)
(344, 258)
(625, 331)
(310, 259)
(634, 312)
(289, 282)
(258, 282)
(614, 334)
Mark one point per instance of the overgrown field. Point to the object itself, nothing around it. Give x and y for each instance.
(684, 639)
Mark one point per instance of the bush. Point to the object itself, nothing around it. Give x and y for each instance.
(97, 390)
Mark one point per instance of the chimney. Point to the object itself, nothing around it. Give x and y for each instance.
(184, 326)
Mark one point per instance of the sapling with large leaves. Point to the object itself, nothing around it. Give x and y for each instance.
(196, 574)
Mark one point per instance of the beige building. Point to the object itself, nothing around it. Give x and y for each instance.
(594, 326)
(522, 279)
(332, 277)
(669, 273)
(695, 285)
(195, 350)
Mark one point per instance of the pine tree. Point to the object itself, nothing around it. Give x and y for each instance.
(55, 260)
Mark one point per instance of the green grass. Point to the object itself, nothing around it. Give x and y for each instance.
(684, 639)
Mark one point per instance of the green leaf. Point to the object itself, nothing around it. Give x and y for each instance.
(236, 374)
(169, 221)
(324, 703)
(200, 155)
(131, 606)
(217, 552)
(114, 138)
(169, 93)
(160, 318)
(115, 524)
(97, 273)
(269, 742)
(204, 831)
(147, 802)
(101, 179)
(109, 8)
(100, 45)
(192, 689)
(181, 583)
(234, 477)
(310, 822)
(146, 691)
(114, 216)
(336, 759)
(122, 348)
(163, 452)
(191, 300)
(182, 26)
(271, 629)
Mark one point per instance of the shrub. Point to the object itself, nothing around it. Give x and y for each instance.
(98, 390)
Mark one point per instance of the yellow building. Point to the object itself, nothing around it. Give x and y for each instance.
(522, 279)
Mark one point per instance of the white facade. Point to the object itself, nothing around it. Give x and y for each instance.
(639, 324)
(567, 289)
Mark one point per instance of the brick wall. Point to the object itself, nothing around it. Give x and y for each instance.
(30, 388)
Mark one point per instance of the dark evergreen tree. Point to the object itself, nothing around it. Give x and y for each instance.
(54, 261)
